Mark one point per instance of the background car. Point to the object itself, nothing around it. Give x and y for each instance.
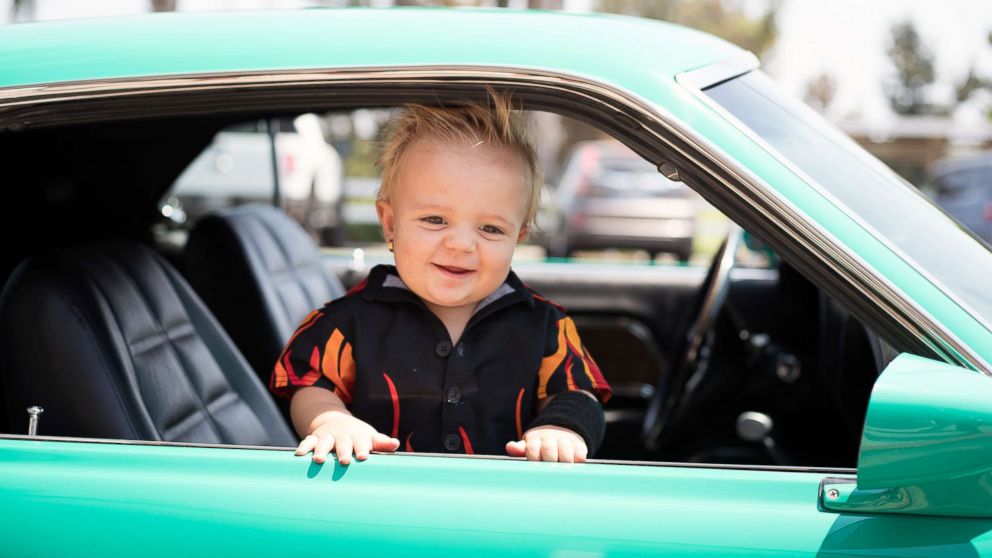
(608, 197)
(238, 167)
(836, 404)
(963, 187)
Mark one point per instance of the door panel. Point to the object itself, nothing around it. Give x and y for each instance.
(106, 499)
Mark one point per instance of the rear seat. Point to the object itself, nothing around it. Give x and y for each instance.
(260, 274)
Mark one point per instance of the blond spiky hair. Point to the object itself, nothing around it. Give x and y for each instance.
(496, 124)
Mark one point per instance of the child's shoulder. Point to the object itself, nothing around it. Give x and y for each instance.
(544, 303)
(350, 299)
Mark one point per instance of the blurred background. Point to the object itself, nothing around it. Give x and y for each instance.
(910, 80)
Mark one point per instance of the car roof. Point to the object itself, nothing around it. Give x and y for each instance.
(627, 51)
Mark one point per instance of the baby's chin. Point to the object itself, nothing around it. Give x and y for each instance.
(450, 302)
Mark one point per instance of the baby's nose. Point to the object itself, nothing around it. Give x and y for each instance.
(459, 239)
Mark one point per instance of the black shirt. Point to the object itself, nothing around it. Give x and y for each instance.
(391, 361)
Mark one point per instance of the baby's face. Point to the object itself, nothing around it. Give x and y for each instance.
(455, 215)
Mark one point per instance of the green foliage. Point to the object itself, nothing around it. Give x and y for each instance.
(914, 67)
(723, 18)
(361, 161)
(820, 92)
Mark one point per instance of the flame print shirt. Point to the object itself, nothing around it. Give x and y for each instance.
(392, 362)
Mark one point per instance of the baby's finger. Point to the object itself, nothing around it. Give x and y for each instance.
(516, 448)
(381, 442)
(306, 444)
(324, 444)
(343, 449)
(566, 450)
(363, 445)
(533, 451)
(549, 449)
(581, 452)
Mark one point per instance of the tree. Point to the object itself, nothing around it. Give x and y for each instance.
(915, 73)
(163, 5)
(22, 10)
(969, 85)
(820, 92)
(723, 18)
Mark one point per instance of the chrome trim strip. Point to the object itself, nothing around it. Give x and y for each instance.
(953, 342)
(119, 87)
(408, 455)
(722, 71)
(747, 186)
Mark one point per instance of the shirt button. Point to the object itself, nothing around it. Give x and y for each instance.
(454, 395)
(452, 442)
(443, 348)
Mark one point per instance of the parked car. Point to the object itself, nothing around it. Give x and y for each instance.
(836, 405)
(963, 187)
(608, 197)
(237, 167)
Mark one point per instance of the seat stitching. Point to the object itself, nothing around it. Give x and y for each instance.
(285, 255)
(156, 340)
(185, 424)
(256, 247)
(185, 373)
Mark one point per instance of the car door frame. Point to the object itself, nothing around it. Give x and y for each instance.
(737, 505)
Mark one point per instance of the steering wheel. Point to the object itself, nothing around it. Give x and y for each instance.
(677, 386)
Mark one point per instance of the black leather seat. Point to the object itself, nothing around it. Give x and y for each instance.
(113, 343)
(260, 274)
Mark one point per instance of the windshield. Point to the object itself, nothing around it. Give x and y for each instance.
(895, 209)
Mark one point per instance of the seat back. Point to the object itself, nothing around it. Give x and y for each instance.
(112, 342)
(260, 274)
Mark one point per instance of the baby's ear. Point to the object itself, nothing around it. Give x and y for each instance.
(385, 212)
(524, 230)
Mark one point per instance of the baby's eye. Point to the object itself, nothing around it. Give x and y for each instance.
(433, 220)
(491, 229)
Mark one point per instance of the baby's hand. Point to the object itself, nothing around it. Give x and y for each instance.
(549, 443)
(344, 434)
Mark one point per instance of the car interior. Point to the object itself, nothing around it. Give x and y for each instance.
(119, 335)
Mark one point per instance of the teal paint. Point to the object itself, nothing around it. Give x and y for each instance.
(927, 443)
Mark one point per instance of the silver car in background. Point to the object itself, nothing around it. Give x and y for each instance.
(609, 198)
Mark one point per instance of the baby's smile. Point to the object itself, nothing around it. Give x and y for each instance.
(453, 271)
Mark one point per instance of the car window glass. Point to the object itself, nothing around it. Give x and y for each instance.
(959, 182)
(912, 224)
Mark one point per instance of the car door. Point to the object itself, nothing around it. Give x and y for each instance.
(108, 498)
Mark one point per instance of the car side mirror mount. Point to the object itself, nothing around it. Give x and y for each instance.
(926, 448)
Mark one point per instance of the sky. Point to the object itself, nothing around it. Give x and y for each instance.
(848, 39)
(845, 39)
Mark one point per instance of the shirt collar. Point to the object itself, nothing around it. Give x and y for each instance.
(384, 284)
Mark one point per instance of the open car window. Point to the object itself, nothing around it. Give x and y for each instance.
(631, 255)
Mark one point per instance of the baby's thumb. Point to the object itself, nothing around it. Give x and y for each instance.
(381, 442)
(516, 449)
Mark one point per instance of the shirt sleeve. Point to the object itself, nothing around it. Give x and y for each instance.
(318, 354)
(567, 365)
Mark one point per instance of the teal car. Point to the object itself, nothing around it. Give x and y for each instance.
(835, 403)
